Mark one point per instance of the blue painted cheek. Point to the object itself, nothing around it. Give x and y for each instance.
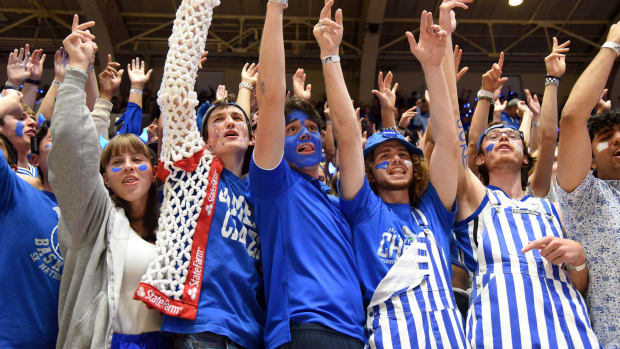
(490, 148)
(382, 165)
(19, 130)
(143, 167)
(302, 161)
(48, 146)
(116, 169)
(41, 119)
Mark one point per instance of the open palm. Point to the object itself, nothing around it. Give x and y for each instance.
(429, 50)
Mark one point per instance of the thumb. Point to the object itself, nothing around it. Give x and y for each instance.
(120, 73)
(148, 74)
(309, 88)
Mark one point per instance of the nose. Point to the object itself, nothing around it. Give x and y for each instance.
(304, 134)
(129, 166)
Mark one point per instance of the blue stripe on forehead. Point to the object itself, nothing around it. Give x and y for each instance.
(297, 115)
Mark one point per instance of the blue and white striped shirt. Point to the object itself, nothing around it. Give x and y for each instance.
(30, 171)
(519, 300)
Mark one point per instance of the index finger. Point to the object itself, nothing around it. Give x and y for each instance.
(538, 244)
(326, 12)
(76, 21)
(501, 60)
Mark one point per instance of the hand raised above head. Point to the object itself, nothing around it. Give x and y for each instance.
(429, 50)
(327, 32)
(386, 93)
(492, 79)
(137, 75)
(300, 89)
(80, 45)
(447, 17)
(555, 62)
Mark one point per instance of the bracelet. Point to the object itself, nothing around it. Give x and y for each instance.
(283, 2)
(56, 83)
(486, 95)
(76, 69)
(612, 45)
(535, 123)
(33, 82)
(330, 59)
(91, 68)
(246, 85)
(11, 86)
(576, 268)
(135, 90)
(551, 80)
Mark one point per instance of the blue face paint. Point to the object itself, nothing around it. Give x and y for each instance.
(19, 129)
(291, 143)
(143, 167)
(382, 165)
(29, 156)
(116, 169)
(490, 148)
(48, 146)
(41, 119)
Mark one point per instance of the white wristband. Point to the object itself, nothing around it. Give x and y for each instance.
(246, 85)
(482, 94)
(576, 268)
(612, 45)
(283, 2)
(135, 90)
(330, 59)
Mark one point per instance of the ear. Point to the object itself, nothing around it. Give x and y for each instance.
(594, 165)
(154, 173)
(105, 180)
(479, 160)
(34, 160)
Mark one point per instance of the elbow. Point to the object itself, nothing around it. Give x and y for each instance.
(548, 135)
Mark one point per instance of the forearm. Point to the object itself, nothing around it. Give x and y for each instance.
(580, 280)
(534, 133)
(479, 123)
(47, 105)
(541, 179)
(244, 99)
(330, 145)
(388, 116)
(92, 92)
(526, 126)
(101, 115)
(30, 94)
(135, 97)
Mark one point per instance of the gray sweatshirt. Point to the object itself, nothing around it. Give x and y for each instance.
(93, 233)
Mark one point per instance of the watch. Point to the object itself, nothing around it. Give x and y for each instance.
(612, 45)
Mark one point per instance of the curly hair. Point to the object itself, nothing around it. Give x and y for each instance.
(418, 185)
(602, 121)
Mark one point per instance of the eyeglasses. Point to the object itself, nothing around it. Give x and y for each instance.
(496, 134)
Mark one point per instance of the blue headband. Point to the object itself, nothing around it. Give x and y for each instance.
(494, 127)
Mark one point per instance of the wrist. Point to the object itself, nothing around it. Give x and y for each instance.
(83, 66)
(138, 86)
(107, 95)
(282, 4)
(15, 82)
(59, 78)
(329, 52)
(246, 81)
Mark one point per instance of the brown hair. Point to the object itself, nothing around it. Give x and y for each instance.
(296, 103)
(125, 143)
(418, 185)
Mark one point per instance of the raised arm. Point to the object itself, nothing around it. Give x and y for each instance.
(328, 34)
(47, 106)
(548, 135)
(271, 92)
(387, 98)
(177, 98)
(534, 106)
(31, 85)
(575, 152)
(249, 77)
(73, 161)
(300, 89)
(110, 80)
(430, 52)
(138, 79)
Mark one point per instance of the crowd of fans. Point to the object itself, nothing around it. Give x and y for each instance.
(263, 219)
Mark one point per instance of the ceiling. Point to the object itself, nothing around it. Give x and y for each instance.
(141, 27)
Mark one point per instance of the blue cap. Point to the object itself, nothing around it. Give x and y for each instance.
(496, 126)
(387, 135)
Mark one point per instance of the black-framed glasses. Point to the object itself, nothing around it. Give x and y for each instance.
(496, 134)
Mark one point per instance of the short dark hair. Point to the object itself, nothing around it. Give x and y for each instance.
(296, 103)
(222, 103)
(10, 150)
(602, 121)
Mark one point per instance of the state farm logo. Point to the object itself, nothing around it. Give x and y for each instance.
(192, 293)
(141, 292)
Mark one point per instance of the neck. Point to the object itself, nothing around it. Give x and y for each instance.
(138, 209)
(233, 162)
(22, 159)
(507, 180)
(311, 171)
(400, 196)
(46, 185)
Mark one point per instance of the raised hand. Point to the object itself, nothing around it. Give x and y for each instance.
(221, 93)
(407, 117)
(35, 64)
(492, 79)
(152, 131)
(532, 102)
(386, 93)
(59, 65)
(80, 45)
(614, 33)
(328, 33)
(203, 59)
(76, 26)
(110, 79)
(458, 54)
(249, 73)
(603, 105)
(556, 60)
(430, 48)
(16, 69)
(299, 85)
(135, 70)
(558, 251)
(447, 17)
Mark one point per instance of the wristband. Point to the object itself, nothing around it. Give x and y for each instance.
(612, 45)
(246, 85)
(76, 69)
(486, 95)
(535, 123)
(33, 82)
(11, 86)
(91, 68)
(576, 268)
(551, 80)
(135, 90)
(56, 83)
(401, 131)
(330, 59)
(283, 2)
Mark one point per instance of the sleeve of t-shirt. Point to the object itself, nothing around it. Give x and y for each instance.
(266, 183)
(362, 207)
(574, 202)
(7, 183)
(432, 203)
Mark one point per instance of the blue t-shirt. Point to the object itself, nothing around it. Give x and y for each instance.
(308, 261)
(231, 297)
(511, 121)
(30, 263)
(378, 236)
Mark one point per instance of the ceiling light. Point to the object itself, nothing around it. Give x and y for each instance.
(515, 2)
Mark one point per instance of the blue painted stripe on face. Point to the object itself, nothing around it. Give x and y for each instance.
(490, 148)
(382, 165)
(41, 119)
(143, 167)
(116, 169)
(48, 146)
(19, 130)
(29, 156)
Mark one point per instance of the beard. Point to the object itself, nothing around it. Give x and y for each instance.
(386, 184)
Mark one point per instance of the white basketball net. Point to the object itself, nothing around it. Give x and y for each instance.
(184, 192)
